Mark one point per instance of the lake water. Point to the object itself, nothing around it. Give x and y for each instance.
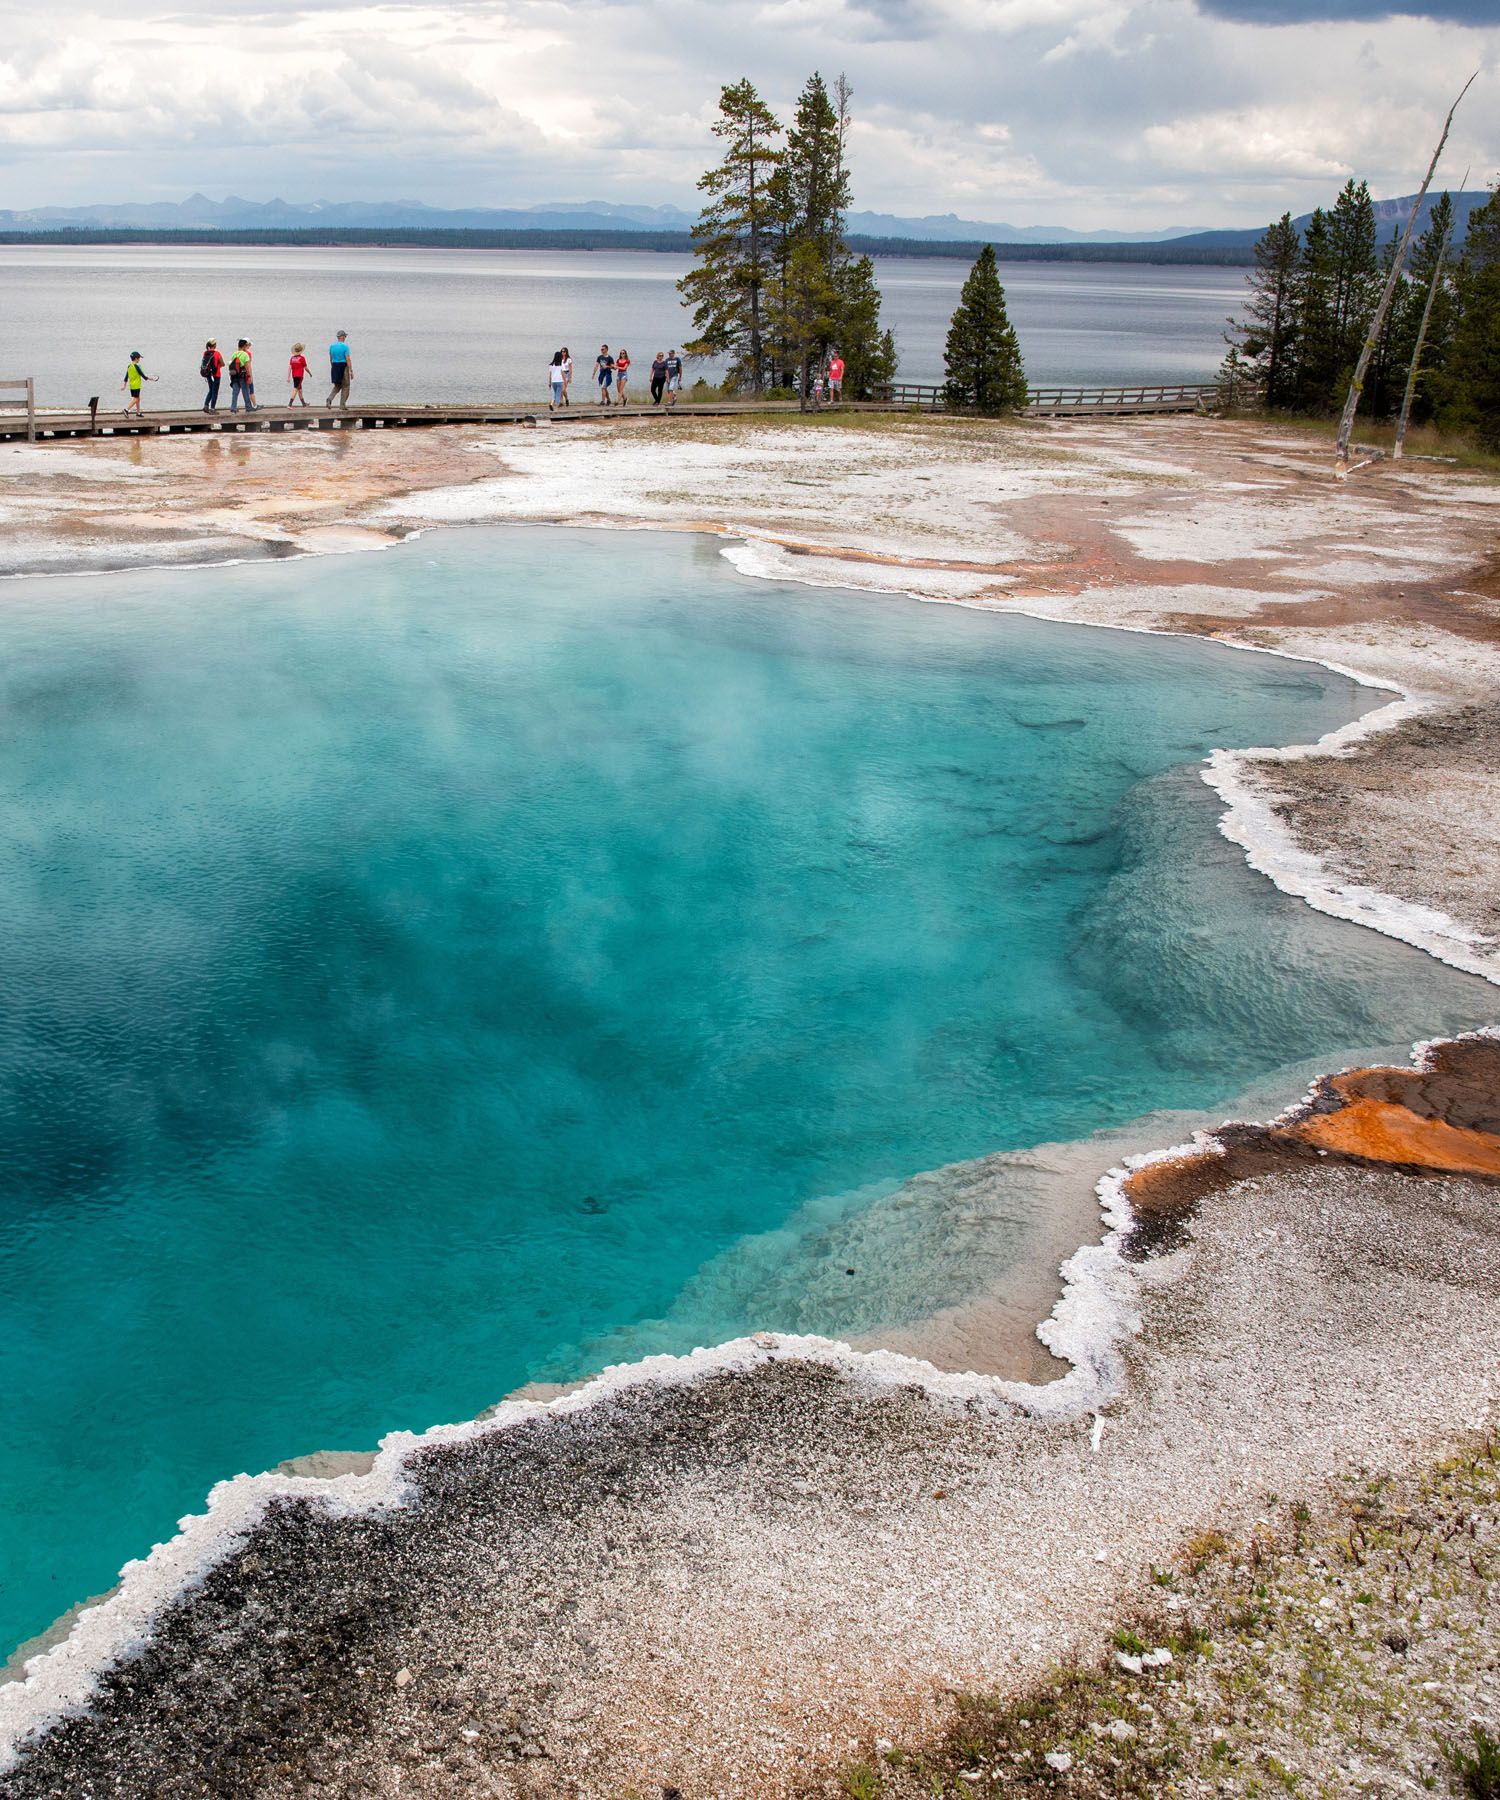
(419, 966)
(452, 325)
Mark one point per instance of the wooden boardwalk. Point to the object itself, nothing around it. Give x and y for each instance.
(1061, 403)
(64, 425)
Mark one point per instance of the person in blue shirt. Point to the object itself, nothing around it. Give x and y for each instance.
(341, 370)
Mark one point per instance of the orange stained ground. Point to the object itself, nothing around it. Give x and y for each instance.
(1382, 1131)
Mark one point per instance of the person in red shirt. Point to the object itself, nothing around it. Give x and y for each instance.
(835, 378)
(212, 370)
(296, 369)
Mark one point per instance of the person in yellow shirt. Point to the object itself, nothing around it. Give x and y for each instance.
(135, 379)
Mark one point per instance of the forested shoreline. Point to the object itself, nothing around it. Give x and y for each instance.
(662, 242)
(1314, 294)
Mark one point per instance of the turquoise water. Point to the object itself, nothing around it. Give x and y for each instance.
(418, 965)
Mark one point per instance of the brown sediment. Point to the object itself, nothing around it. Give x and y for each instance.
(1440, 1118)
(842, 553)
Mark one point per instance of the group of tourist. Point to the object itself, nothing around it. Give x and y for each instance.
(241, 366)
(612, 377)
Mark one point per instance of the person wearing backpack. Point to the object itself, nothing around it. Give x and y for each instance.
(212, 370)
(241, 382)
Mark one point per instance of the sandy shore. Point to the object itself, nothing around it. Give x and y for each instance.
(730, 1575)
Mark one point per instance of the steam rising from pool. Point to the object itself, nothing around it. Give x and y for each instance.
(434, 971)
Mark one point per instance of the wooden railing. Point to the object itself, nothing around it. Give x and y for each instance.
(1174, 396)
(1171, 396)
(28, 387)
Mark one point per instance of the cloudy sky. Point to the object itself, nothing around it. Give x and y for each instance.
(1090, 113)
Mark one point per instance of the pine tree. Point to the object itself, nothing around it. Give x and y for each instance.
(805, 311)
(1471, 383)
(734, 238)
(1317, 363)
(869, 353)
(1352, 239)
(1264, 343)
(983, 354)
(817, 181)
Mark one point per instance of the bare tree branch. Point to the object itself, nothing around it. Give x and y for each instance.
(1377, 324)
(1416, 355)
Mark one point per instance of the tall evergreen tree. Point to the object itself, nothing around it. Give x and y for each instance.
(983, 354)
(734, 238)
(1471, 383)
(805, 312)
(1317, 363)
(1264, 342)
(817, 180)
(869, 353)
(1352, 242)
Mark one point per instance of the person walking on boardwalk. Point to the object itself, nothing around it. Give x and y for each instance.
(555, 381)
(622, 376)
(658, 377)
(212, 370)
(604, 374)
(567, 369)
(340, 371)
(241, 383)
(835, 378)
(135, 379)
(674, 377)
(296, 370)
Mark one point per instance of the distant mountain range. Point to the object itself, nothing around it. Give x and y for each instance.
(1390, 218)
(233, 214)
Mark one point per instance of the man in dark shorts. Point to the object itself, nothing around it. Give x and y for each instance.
(658, 377)
(604, 374)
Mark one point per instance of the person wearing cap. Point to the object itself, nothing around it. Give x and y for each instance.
(135, 379)
(340, 370)
(241, 381)
(211, 368)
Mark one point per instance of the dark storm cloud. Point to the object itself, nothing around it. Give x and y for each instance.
(1308, 12)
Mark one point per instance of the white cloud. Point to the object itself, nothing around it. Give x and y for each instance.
(1135, 113)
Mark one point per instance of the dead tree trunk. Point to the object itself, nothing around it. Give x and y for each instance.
(1377, 324)
(1416, 355)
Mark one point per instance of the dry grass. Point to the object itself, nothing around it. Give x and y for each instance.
(1449, 447)
(1351, 1650)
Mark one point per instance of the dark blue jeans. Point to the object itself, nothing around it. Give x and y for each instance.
(211, 398)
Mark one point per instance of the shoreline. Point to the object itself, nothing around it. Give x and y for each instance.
(1093, 1324)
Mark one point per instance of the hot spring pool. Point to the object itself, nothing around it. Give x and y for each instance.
(418, 966)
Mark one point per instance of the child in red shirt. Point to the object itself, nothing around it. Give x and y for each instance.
(296, 369)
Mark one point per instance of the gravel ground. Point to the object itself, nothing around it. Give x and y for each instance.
(1345, 1647)
(736, 1586)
